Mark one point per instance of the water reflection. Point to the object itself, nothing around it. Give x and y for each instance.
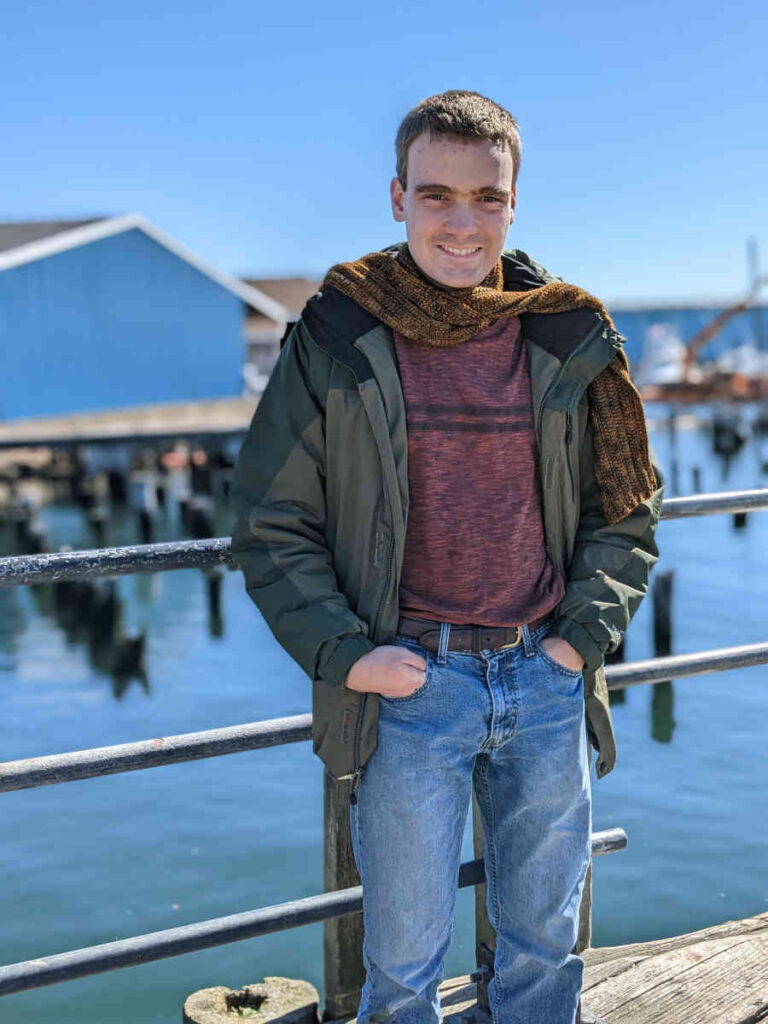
(73, 506)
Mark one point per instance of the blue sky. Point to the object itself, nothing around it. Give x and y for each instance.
(262, 135)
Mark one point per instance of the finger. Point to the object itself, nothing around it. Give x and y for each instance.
(420, 664)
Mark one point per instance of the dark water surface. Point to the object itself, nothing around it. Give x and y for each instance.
(88, 862)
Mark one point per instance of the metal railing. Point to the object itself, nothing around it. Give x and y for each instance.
(77, 765)
(219, 931)
(22, 570)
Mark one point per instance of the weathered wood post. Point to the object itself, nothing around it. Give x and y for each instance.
(343, 936)
(663, 696)
(214, 577)
(662, 612)
(277, 1000)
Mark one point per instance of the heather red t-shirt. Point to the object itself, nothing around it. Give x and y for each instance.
(474, 546)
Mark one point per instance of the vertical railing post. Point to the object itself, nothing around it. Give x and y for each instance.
(343, 938)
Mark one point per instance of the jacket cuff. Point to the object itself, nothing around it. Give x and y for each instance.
(348, 650)
(580, 639)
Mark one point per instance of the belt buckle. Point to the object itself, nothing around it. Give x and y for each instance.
(515, 644)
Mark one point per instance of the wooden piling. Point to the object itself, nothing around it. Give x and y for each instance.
(146, 529)
(343, 936)
(661, 595)
(283, 1000)
(214, 578)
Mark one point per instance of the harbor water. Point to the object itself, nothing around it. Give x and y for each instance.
(89, 862)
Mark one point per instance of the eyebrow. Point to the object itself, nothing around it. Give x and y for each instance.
(488, 190)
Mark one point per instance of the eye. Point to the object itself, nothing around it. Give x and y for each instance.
(434, 195)
(493, 199)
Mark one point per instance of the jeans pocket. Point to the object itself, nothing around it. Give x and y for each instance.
(413, 645)
(574, 673)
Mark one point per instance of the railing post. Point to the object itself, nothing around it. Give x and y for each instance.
(343, 938)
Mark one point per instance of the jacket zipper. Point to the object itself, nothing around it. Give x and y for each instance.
(357, 769)
(568, 438)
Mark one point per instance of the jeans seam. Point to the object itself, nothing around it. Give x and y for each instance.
(490, 868)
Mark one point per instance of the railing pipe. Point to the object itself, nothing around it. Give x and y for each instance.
(127, 757)
(141, 949)
(32, 772)
(19, 570)
(674, 666)
(711, 504)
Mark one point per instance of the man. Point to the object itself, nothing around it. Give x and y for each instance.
(446, 510)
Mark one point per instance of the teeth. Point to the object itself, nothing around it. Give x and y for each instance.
(460, 252)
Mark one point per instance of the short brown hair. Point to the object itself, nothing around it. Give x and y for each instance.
(460, 113)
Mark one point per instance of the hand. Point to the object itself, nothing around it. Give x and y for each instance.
(389, 670)
(560, 650)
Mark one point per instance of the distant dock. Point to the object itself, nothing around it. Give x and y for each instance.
(202, 420)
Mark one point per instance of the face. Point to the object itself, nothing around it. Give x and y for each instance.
(457, 207)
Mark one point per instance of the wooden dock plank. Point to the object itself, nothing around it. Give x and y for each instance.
(717, 975)
(723, 980)
(599, 954)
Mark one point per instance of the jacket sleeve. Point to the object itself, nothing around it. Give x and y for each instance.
(278, 499)
(608, 575)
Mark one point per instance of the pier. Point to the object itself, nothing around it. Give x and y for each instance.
(212, 419)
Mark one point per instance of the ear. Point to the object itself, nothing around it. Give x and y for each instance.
(397, 195)
(512, 205)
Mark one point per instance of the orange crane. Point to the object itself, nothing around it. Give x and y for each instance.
(713, 328)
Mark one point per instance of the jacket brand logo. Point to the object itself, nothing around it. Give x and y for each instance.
(344, 731)
(378, 553)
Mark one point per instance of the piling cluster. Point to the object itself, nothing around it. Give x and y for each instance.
(125, 495)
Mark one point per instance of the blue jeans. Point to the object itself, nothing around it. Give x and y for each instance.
(511, 723)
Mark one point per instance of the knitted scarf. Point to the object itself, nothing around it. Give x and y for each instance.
(394, 290)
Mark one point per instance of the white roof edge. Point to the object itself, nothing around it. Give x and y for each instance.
(88, 233)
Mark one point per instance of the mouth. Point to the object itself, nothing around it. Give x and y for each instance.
(460, 252)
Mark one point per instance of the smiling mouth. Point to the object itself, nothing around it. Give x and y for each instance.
(460, 252)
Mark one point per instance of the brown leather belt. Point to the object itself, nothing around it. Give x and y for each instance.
(465, 638)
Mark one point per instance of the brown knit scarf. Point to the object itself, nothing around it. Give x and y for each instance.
(394, 290)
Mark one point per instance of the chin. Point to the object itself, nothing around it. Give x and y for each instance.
(463, 280)
(466, 279)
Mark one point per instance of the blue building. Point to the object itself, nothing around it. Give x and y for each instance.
(111, 312)
(685, 319)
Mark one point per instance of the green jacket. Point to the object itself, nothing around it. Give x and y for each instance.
(320, 495)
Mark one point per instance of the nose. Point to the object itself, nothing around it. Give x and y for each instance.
(460, 220)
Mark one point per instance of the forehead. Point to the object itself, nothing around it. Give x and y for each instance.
(459, 163)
